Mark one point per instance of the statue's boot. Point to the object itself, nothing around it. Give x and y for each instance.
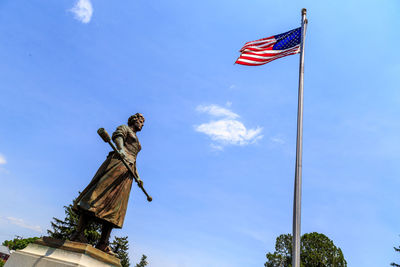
(103, 244)
(78, 235)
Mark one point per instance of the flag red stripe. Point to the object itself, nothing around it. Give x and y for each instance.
(261, 45)
(266, 56)
(265, 59)
(269, 52)
(257, 62)
(255, 48)
(272, 58)
(259, 40)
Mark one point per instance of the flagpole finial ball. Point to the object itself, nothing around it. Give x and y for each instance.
(304, 11)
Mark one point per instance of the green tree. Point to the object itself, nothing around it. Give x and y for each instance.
(317, 250)
(395, 264)
(283, 251)
(63, 229)
(19, 242)
(120, 247)
(143, 262)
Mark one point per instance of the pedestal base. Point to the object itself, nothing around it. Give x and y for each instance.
(49, 252)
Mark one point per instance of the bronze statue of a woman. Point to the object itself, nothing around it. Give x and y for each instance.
(105, 199)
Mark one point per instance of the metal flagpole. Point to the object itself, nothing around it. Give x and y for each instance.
(299, 148)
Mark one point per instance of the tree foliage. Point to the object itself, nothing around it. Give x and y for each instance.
(317, 250)
(143, 262)
(283, 251)
(63, 229)
(395, 264)
(120, 247)
(19, 242)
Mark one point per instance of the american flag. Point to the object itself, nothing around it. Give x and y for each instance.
(265, 50)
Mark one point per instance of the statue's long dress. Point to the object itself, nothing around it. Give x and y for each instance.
(106, 197)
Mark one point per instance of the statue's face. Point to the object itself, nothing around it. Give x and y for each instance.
(138, 125)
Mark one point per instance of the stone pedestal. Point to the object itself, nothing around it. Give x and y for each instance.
(49, 252)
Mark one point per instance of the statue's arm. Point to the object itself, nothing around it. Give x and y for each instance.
(118, 137)
(119, 142)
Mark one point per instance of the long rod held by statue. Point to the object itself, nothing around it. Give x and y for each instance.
(106, 138)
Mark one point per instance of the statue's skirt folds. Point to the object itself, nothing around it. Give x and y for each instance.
(106, 197)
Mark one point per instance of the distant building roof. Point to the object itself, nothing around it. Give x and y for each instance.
(4, 250)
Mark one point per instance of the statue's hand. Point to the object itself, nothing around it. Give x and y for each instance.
(122, 154)
(140, 182)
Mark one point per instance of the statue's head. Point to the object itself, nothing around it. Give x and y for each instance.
(136, 122)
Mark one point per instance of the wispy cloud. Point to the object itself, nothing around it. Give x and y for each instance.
(262, 236)
(23, 224)
(227, 130)
(83, 11)
(216, 147)
(278, 140)
(2, 159)
(217, 111)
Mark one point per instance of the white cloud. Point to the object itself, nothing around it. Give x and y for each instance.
(23, 224)
(217, 111)
(216, 147)
(227, 130)
(278, 140)
(2, 159)
(83, 11)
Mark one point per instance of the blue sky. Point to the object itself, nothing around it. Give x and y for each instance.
(219, 139)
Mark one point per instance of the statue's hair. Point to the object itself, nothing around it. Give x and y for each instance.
(135, 117)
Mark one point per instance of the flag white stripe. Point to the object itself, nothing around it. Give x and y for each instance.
(261, 43)
(267, 57)
(270, 51)
(272, 39)
(264, 61)
(251, 61)
(266, 53)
